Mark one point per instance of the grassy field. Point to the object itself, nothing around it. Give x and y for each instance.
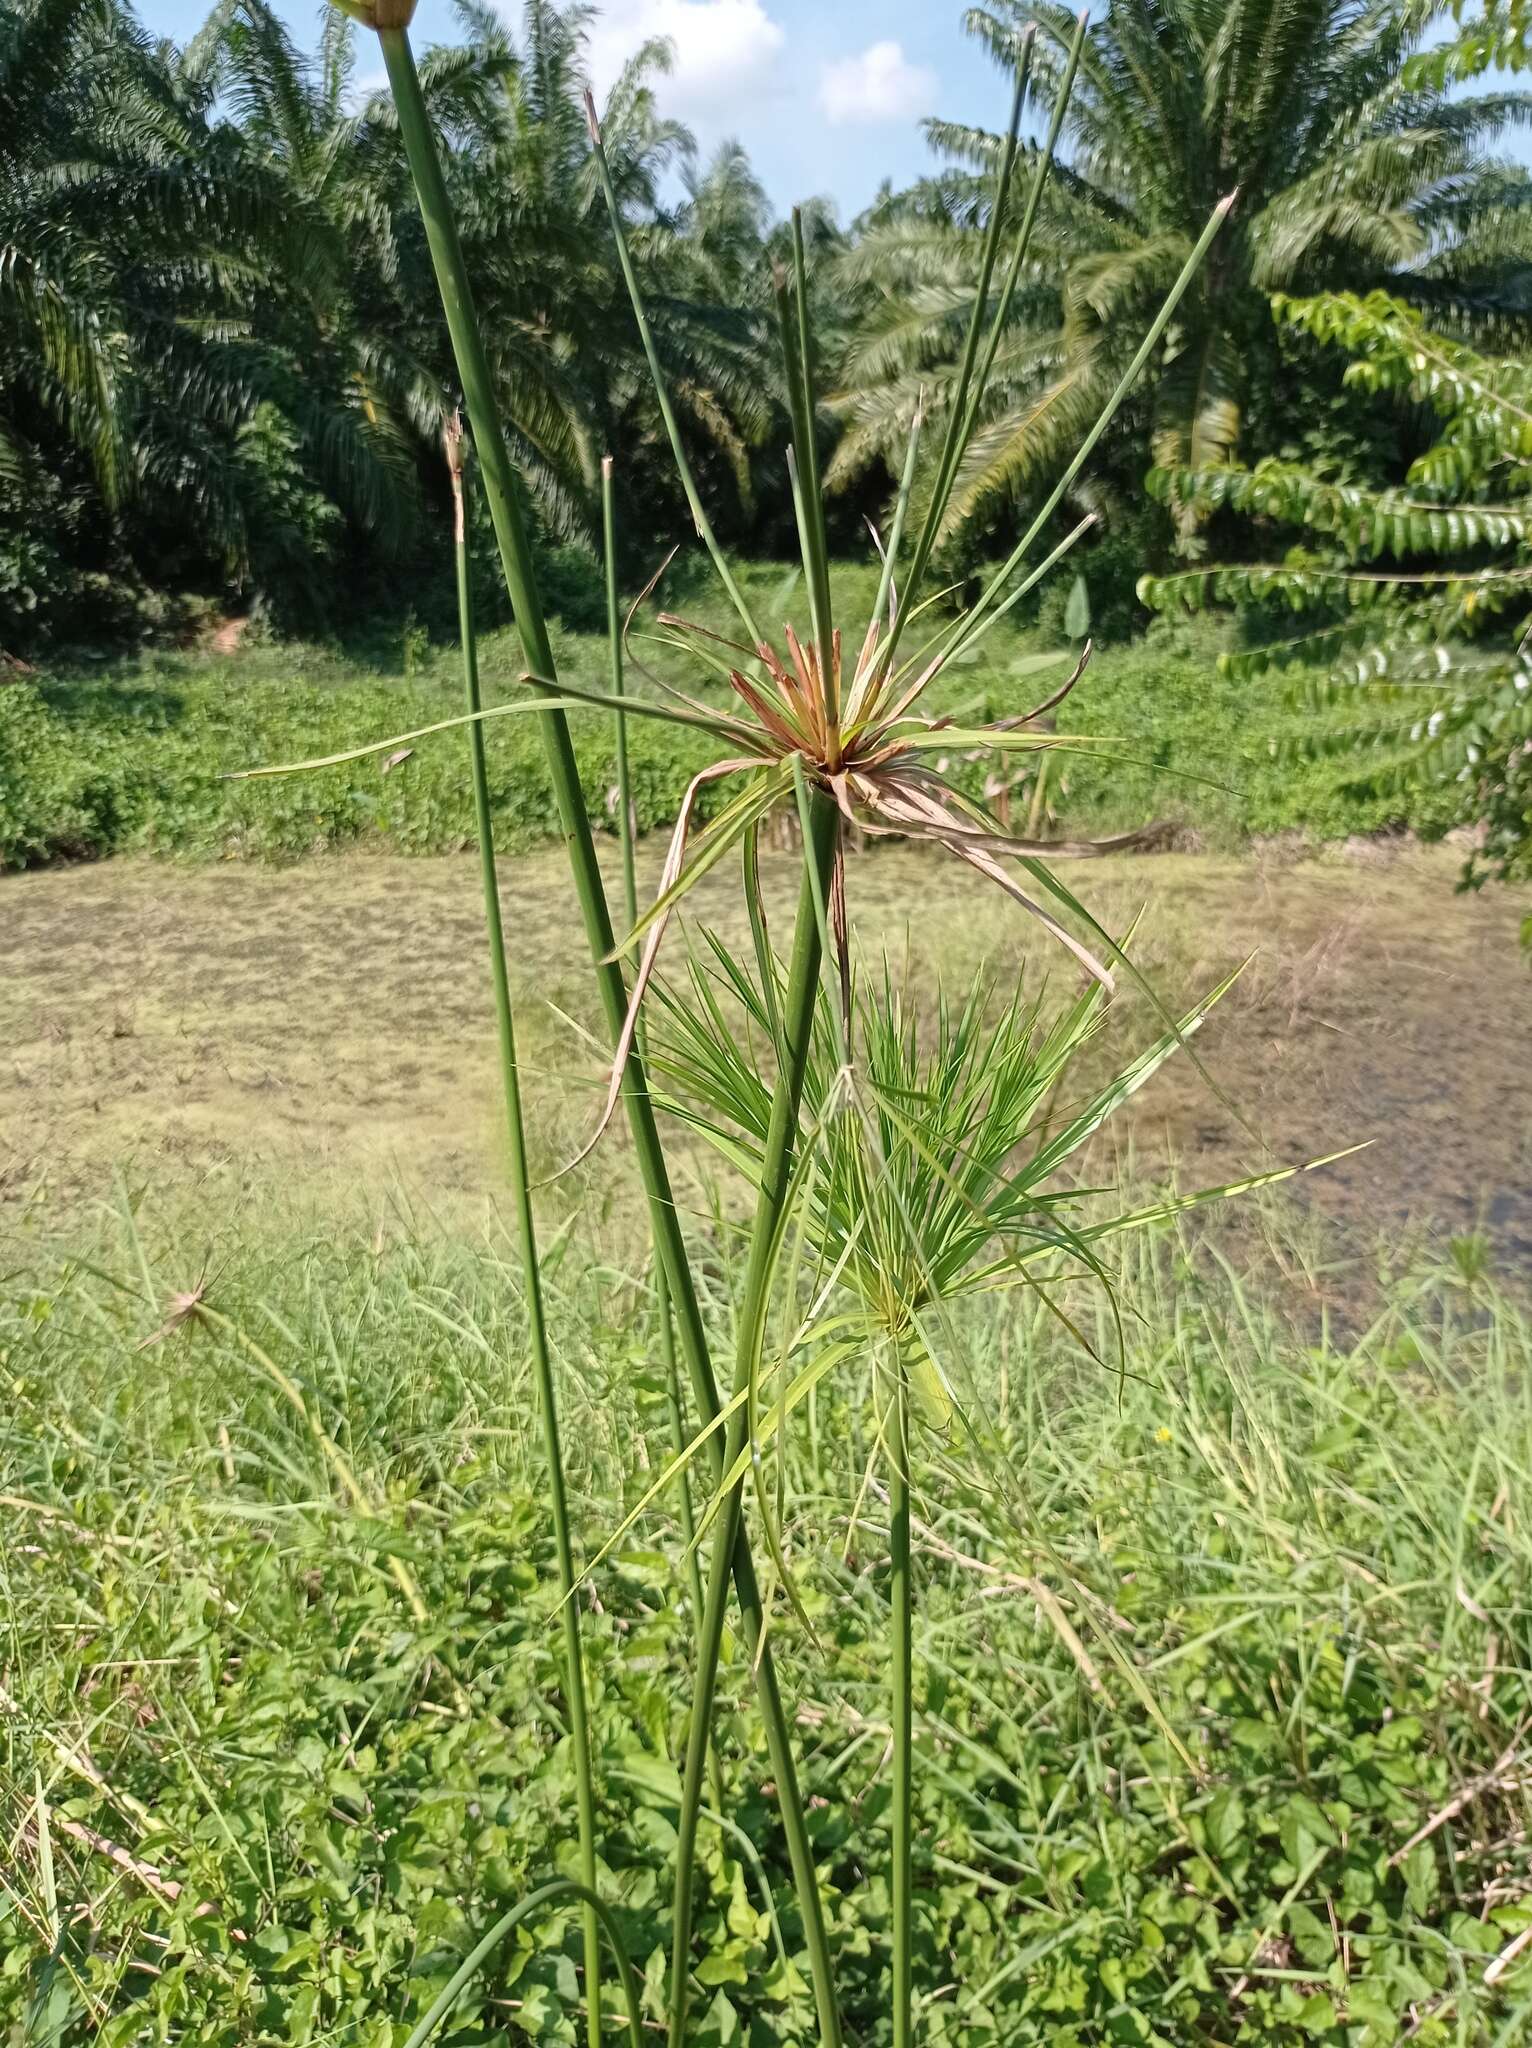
(1222, 1666)
(1224, 1650)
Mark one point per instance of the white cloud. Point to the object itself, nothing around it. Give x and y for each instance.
(725, 51)
(364, 88)
(880, 84)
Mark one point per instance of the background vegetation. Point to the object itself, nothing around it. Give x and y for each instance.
(1407, 600)
(132, 758)
(223, 377)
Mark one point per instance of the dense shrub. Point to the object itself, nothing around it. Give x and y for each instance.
(1179, 721)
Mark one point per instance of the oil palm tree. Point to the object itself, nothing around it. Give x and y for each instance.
(175, 333)
(212, 276)
(1346, 171)
(330, 338)
(726, 219)
(563, 347)
(116, 233)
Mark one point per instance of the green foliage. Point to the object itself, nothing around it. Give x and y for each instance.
(104, 768)
(1414, 598)
(1497, 41)
(1181, 741)
(221, 369)
(35, 578)
(217, 322)
(1186, 1818)
(1077, 610)
(132, 761)
(292, 529)
(570, 583)
(1346, 166)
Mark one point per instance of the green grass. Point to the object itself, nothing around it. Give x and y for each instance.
(129, 758)
(1257, 1611)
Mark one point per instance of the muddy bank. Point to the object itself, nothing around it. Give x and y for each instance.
(329, 1024)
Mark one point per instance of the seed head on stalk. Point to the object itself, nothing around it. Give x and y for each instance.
(805, 717)
(379, 14)
(799, 718)
(802, 716)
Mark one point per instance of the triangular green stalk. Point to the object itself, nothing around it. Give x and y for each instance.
(526, 1230)
(771, 1202)
(901, 1605)
(510, 532)
(808, 465)
(661, 389)
(627, 829)
(972, 382)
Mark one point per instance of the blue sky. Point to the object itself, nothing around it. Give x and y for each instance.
(869, 69)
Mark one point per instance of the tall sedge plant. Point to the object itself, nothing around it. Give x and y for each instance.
(842, 738)
(391, 19)
(531, 1271)
(846, 749)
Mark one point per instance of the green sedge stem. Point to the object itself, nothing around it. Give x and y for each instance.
(896, 531)
(510, 532)
(500, 490)
(987, 612)
(627, 830)
(758, 937)
(765, 1238)
(468, 1969)
(808, 462)
(1024, 236)
(952, 452)
(626, 825)
(815, 570)
(661, 390)
(537, 1322)
(901, 1606)
(816, 885)
(951, 448)
(964, 631)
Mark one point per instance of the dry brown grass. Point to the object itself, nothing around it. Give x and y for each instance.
(325, 1027)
